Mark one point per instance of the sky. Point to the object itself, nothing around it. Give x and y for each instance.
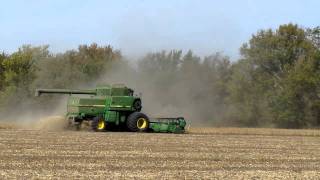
(139, 26)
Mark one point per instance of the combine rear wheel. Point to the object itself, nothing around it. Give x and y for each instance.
(98, 124)
(138, 122)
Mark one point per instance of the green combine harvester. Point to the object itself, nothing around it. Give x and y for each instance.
(113, 107)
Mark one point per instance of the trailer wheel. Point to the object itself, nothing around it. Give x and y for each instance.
(98, 124)
(138, 122)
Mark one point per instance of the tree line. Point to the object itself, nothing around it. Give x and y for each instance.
(274, 83)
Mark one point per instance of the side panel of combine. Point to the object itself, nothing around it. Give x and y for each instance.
(87, 106)
(122, 103)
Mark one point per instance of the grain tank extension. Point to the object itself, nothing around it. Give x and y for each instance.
(112, 107)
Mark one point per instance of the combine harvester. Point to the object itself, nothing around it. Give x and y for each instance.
(113, 107)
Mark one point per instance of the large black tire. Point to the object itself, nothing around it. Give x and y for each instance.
(138, 122)
(96, 124)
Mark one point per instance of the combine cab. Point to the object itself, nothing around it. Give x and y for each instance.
(112, 107)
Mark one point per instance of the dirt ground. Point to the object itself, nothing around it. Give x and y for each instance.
(203, 153)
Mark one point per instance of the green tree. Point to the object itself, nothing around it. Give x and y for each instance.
(161, 61)
(75, 67)
(161, 68)
(248, 99)
(19, 73)
(3, 56)
(298, 103)
(314, 36)
(269, 60)
(93, 60)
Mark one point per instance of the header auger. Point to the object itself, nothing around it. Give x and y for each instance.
(112, 107)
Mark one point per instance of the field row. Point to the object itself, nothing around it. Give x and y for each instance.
(202, 153)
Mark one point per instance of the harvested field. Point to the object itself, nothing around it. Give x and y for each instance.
(203, 153)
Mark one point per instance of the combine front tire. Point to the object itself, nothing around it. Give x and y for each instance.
(138, 122)
(98, 124)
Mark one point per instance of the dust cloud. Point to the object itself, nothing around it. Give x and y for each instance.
(35, 117)
(164, 94)
(168, 95)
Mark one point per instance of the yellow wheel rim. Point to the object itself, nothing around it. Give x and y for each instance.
(101, 124)
(142, 123)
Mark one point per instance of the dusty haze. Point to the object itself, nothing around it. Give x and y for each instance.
(164, 94)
